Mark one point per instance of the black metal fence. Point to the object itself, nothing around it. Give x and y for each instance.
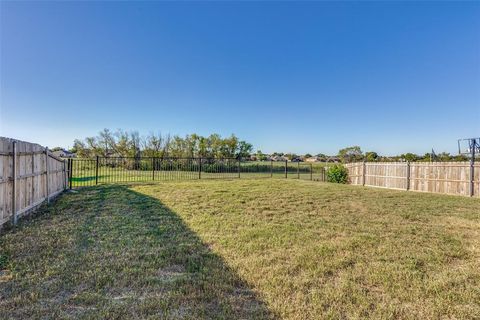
(101, 170)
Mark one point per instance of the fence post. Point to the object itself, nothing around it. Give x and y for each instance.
(364, 172)
(286, 168)
(46, 175)
(239, 167)
(271, 168)
(200, 168)
(70, 172)
(298, 170)
(64, 174)
(311, 171)
(408, 176)
(153, 168)
(14, 183)
(472, 174)
(96, 172)
(160, 166)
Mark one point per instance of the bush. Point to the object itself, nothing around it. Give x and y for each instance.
(337, 174)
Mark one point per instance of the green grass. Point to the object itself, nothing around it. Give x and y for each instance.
(244, 249)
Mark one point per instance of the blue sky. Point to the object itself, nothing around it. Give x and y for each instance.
(392, 77)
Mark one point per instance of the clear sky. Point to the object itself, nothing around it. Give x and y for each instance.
(392, 77)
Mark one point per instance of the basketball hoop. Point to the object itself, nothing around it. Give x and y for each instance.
(469, 147)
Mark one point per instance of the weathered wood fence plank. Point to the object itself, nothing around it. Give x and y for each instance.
(435, 177)
(29, 175)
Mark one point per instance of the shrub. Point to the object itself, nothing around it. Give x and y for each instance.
(337, 173)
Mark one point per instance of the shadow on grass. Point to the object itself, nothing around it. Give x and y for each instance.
(86, 178)
(129, 256)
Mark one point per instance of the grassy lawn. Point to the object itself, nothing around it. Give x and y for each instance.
(244, 249)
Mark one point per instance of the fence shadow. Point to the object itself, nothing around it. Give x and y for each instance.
(179, 271)
(87, 178)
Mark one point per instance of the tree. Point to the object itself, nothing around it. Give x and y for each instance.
(371, 156)
(192, 142)
(95, 149)
(261, 156)
(178, 148)
(350, 154)
(411, 157)
(244, 149)
(203, 147)
(122, 143)
(166, 146)
(132, 144)
(153, 145)
(107, 141)
(230, 147)
(460, 157)
(135, 144)
(81, 149)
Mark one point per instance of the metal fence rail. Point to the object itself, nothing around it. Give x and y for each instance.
(101, 170)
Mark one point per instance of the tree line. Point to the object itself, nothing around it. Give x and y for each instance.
(354, 153)
(122, 143)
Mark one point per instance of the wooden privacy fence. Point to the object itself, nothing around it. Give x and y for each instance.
(29, 176)
(457, 178)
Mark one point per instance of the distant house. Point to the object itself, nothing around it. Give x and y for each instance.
(314, 159)
(64, 154)
(334, 159)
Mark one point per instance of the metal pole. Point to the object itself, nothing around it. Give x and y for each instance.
(153, 168)
(64, 174)
(271, 168)
(160, 167)
(408, 175)
(311, 171)
(70, 172)
(199, 168)
(14, 183)
(46, 174)
(96, 172)
(364, 172)
(472, 169)
(286, 169)
(239, 167)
